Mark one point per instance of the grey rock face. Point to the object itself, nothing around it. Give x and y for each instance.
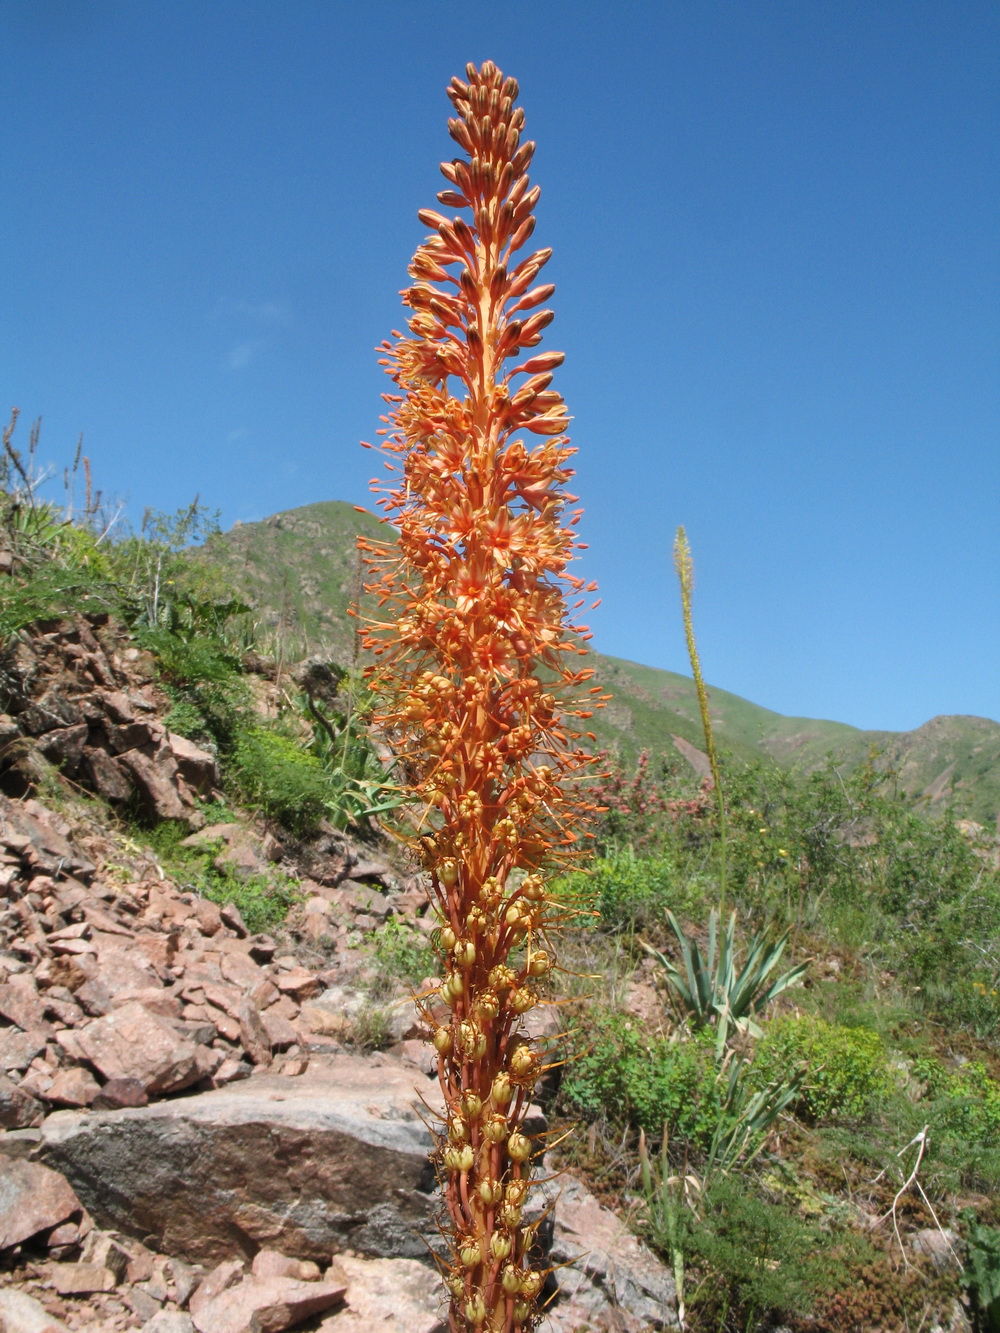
(324, 1162)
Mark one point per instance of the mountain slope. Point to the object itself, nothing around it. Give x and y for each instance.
(299, 570)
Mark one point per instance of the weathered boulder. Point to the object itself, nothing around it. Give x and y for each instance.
(33, 1199)
(17, 1108)
(326, 1161)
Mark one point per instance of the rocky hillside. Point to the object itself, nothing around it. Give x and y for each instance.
(195, 1133)
(299, 571)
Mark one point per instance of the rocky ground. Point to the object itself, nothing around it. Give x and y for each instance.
(189, 1137)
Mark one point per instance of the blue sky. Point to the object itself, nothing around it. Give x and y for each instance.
(776, 254)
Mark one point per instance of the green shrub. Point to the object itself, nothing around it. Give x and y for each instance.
(401, 953)
(634, 1077)
(632, 891)
(263, 901)
(964, 1103)
(847, 1071)
(757, 1259)
(273, 773)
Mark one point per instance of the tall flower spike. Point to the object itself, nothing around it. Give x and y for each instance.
(483, 696)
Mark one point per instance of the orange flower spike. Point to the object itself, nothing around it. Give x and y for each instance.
(471, 670)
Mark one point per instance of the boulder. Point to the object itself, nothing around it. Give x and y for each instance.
(326, 1161)
(156, 778)
(267, 1305)
(33, 1198)
(132, 1043)
(169, 1321)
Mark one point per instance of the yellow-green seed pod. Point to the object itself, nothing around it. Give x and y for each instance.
(499, 1245)
(501, 1092)
(539, 963)
(475, 1311)
(510, 1216)
(517, 1192)
(470, 1254)
(447, 873)
(458, 1130)
(487, 1005)
(448, 938)
(479, 1048)
(501, 977)
(491, 1192)
(472, 1104)
(533, 888)
(522, 1311)
(513, 917)
(495, 1128)
(455, 1283)
(519, 1147)
(510, 1279)
(466, 1158)
(522, 999)
(451, 1159)
(523, 1062)
(465, 953)
(531, 1283)
(443, 1040)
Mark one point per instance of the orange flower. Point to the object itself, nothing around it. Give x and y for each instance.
(474, 647)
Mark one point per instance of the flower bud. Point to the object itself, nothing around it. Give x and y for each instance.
(499, 1245)
(519, 1147)
(501, 1092)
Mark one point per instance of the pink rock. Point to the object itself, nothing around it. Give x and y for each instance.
(73, 1087)
(133, 1043)
(272, 1263)
(220, 1279)
(267, 1305)
(80, 1279)
(33, 1198)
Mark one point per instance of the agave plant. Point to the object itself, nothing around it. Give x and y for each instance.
(717, 988)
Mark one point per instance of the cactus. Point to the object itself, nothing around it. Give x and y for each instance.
(477, 665)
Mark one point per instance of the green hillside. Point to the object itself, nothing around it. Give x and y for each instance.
(299, 570)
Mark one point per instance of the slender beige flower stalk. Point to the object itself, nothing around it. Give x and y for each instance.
(684, 565)
(475, 666)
